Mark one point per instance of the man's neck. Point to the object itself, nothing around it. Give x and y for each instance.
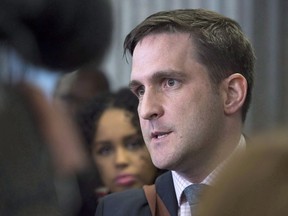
(199, 172)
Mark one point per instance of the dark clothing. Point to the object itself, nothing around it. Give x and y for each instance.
(26, 175)
(134, 203)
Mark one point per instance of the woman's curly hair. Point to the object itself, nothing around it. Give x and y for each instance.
(89, 116)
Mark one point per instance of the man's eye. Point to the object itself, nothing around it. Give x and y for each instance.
(171, 82)
(140, 91)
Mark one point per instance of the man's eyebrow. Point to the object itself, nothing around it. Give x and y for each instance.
(133, 84)
(167, 74)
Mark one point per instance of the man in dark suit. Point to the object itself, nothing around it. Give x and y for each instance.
(192, 71)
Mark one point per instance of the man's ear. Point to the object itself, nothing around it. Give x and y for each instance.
(235, 90)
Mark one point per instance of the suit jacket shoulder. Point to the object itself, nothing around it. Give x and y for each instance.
(127, 203)
(134, 203)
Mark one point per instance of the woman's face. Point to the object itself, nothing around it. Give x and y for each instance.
(120, 153)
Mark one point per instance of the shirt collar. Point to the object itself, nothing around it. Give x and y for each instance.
(181, 183)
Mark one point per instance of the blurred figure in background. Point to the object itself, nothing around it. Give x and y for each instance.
(74, 89)
(254, 183)
(111, 129)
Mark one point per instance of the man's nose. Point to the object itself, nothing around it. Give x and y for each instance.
(151, 105)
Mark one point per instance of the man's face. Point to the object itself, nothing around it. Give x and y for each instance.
(180, 110)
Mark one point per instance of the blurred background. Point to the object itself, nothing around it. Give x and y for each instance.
(264, 21)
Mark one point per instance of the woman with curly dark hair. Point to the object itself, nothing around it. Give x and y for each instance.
(111, 130)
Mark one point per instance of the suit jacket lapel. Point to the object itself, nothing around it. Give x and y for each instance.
(165, 189)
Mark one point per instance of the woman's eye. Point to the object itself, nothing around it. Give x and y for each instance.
(134, 144)
(104, 151)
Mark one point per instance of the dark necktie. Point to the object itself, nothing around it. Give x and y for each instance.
(193, 193)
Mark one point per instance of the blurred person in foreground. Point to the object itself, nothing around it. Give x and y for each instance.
(38, 143)
(253, 184)
(38, 146)
(192, 71)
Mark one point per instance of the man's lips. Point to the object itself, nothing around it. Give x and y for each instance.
(125, 180)
(159, 135)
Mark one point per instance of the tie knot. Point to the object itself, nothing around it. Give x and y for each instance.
(193, 193)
